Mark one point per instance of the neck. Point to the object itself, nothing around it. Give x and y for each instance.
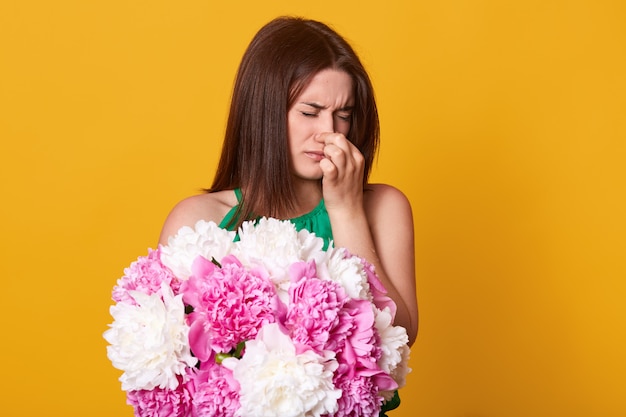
(308, 196)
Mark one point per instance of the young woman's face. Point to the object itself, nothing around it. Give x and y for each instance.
(325, 105)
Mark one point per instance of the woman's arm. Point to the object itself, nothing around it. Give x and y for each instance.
(382, 233)
(376, 224)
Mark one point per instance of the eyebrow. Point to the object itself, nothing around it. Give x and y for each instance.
(320, 107)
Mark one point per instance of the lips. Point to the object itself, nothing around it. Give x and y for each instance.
(315, 155)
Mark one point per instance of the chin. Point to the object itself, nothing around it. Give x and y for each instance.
(308, 176)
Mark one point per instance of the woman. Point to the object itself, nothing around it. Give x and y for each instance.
(299, 144)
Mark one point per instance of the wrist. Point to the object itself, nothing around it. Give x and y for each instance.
(346, 214)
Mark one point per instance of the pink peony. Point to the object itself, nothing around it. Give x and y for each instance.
(359, 376)
(378, 290)
(144, 275)
(314, 308)
(215, 391)
(230, 304)
(362, 336)
(359, 395)
(361, 380)
(161, 402)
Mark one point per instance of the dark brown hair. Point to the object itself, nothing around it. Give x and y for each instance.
(279, 63)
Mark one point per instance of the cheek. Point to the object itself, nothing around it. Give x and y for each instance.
(291, 131)
(292, 125)
(299, 130)
(343, 127)
(296, 136)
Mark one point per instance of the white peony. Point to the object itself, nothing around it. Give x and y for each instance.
(347, 272)
(395, 349)
(312, 247)
(276, 245)
(148, 341)
(206, 239)
(402, 370)
(276, 381)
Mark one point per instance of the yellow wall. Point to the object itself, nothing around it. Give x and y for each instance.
(503, 121)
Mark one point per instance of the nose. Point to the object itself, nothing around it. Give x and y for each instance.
(327, 123)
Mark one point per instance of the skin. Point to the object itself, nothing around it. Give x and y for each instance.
(375, 224)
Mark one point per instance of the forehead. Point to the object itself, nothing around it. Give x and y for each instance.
(327, 87)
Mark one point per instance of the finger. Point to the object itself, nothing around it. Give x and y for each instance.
(337, 139)
(345, 159)
(352, 153)
(329, 170)
(335, 154)
(333, 163)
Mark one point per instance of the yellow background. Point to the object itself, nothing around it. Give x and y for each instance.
(503, 122)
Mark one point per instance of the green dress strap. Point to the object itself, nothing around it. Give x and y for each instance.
(228, 219)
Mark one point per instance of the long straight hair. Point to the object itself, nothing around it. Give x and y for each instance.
(277, 66)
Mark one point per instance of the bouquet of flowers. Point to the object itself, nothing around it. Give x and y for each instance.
(260, 323)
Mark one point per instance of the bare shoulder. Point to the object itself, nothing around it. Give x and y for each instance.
(385, 201)
(209, 207)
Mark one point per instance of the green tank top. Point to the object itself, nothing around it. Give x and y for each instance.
(315, 221)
